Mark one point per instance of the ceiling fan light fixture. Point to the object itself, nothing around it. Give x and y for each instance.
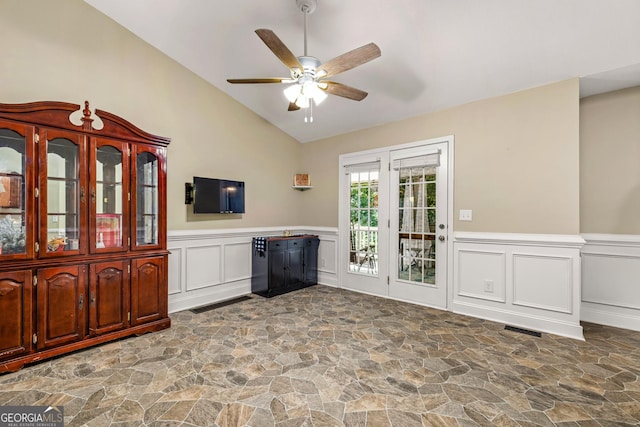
(302, 101)
(292, 92)
(319, 95)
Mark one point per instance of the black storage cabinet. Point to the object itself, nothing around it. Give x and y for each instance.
(286, 264)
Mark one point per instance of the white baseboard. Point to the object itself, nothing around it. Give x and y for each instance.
(211, 295)
(520, 320)
(618, 317)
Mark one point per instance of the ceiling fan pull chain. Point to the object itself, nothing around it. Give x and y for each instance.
(308, 113)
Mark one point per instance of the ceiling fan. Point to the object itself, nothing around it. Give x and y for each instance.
(308, 73)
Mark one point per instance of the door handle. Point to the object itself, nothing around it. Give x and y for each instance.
(442, 238)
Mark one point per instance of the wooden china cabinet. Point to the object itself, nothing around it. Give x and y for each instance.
(83, 254)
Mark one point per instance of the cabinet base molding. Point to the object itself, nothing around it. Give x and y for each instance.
(19, 362)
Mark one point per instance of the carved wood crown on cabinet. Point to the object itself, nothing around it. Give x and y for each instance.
(83, 236)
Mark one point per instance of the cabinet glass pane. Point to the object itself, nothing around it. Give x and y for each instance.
(62, 195)
(147, 199)
(12, 200)
(108, 197)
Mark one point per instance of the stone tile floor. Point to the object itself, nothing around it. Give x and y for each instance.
(330, 357)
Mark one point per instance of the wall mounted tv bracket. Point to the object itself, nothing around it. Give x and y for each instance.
(188, 193)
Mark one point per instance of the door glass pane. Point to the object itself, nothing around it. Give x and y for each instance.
(363, 213)
(147, 199)
(108, 197)
(62, 195)
(12, 200)
(417, 228)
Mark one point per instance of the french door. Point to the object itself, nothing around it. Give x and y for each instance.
(363, 224)
(394, 222)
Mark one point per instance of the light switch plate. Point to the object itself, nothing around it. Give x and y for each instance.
(466, 214)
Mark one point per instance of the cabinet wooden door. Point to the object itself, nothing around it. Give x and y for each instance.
(16, 302)
(109, 196)
(311, 261)
(62, 193)
(62, 305)
(108, 297)
(148, 200)
(148, 290)
(17, 199)
(295, 268)
(278, 261)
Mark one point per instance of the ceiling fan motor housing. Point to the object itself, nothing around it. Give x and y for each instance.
(309, 64)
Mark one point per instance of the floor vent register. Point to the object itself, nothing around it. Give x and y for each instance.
(210, 307)
(523, 331)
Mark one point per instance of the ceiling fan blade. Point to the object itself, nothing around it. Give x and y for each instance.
(266, 80)
(350, 59)
(345, 91)
(278, 48)
(293, 107)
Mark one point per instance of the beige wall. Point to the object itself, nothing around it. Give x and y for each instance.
(610, 162)
(516, 156)
(65, 50)
(516, 160)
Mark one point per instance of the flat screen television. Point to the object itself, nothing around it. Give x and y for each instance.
(212, 195)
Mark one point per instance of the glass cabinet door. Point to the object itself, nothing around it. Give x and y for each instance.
(147, 200)
(16, 207)
(62, 194)
(109, 196)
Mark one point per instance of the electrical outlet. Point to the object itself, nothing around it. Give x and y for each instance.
(488, 286)
(466, 214)
(323, 262)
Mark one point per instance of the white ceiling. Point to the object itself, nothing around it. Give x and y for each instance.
(435, 53)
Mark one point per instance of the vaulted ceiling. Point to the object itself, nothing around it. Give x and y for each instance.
(435, 53)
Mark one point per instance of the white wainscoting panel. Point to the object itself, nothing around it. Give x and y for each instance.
(209, 266)
(237, 264)
(542, 281)
(328, 259)
(198, 256)
(175, 271)
(611, 280)
(481, 274)
(535, 280)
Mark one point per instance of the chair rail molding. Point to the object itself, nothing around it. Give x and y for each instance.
(530, 281)
(611, 280)
(209, 266)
